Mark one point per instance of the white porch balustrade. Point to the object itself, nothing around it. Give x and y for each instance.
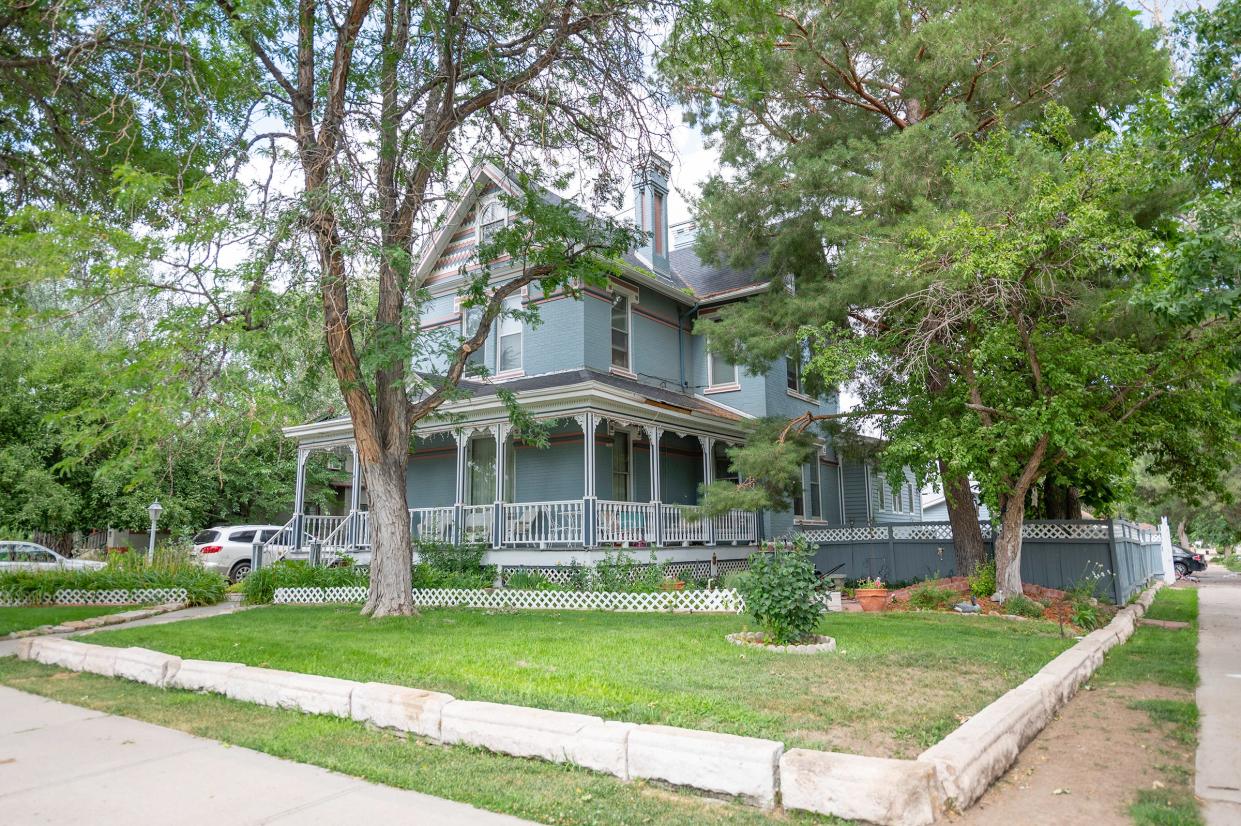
(681, 528)
(735, 527)
(626, 523)
(430, 524)
(543, 523)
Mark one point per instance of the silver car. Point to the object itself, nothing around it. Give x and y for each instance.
(30, 556)
(226, 549)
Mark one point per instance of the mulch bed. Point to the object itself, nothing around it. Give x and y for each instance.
(1059, 609)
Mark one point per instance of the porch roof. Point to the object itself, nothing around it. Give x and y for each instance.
(562, 393)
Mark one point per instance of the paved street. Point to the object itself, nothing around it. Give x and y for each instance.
(1219, 696)
(60, 764)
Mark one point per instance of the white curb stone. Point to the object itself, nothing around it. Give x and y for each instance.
(397, 707)
(287, 689)
(724, 763)
(603, 747)
(203, 675)
(516, 730)
(146, 666)
(23, 648)
(64, 653)
(100, 659)
(854, 787)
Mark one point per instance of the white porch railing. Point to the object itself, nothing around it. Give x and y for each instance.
(626, 523)
(320, 527)
(431, 524)
(735, 527)
(543, 523)
(678, 528)
(476, 524)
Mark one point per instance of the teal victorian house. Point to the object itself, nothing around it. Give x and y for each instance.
(641, 413)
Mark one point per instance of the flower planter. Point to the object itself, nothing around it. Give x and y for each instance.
(872, 599)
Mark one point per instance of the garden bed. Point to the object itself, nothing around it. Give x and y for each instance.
(1052, 605)
(897, 683)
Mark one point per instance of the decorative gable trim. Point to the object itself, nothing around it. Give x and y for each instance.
(452, 232)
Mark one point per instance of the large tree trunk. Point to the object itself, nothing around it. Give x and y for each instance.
(1181, 536)
(1060, 502)
(391, 557)
(1008, 548)
(970, 549)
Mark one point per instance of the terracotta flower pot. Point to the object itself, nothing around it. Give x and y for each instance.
(872, 599)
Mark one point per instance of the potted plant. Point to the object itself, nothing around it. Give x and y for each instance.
(872, 594)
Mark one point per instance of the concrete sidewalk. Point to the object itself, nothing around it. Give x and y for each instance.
(1218, 768)
(61, 764)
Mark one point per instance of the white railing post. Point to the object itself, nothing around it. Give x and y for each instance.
(299, 497)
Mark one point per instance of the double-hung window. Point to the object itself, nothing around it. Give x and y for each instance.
(508, 337)
(621, 466)
(816, 497)
(491, 219)
(621, 312)
(720, 371)
(792, 372)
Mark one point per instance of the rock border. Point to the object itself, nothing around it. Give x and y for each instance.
(952, 774)
(91, 623)
(754, 639)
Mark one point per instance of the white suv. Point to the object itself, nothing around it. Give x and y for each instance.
(226, 549)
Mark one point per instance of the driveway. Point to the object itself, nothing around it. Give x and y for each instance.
(66, 766)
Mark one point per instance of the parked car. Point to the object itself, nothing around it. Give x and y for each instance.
(30, 556)
(1187, 562)
(226, 549)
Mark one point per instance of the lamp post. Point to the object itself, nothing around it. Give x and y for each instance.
(155, 510)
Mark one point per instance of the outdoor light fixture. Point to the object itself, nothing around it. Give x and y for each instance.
(155, 510)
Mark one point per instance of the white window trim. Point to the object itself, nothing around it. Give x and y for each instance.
(483, 205)
(632, 296)
(517, 372)
(725, 387)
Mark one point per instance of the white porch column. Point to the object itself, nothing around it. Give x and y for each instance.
(654, 434)
(355, 499)
(500, 432)
(1165, 551)
(589, 422)
(299, 496)
(708, 476)
(458, 508)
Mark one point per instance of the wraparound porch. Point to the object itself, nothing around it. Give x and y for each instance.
(603, 480)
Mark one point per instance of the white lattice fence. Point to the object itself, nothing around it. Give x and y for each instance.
(79, 596)
(719, 601)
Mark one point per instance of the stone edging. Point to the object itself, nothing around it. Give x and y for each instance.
(754, 639)
(951, 774)
(91, 623)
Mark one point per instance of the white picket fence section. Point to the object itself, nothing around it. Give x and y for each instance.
(79, 596)
(719, 601)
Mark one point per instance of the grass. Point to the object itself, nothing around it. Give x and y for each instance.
(19, 619)
(543, 792)
(1163, 656)
(1232, 562)
(897, 684)
(1167, 658)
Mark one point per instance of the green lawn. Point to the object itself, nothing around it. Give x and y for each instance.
(532, 789)
(1167, 658)
(898, 683)
(19, 619)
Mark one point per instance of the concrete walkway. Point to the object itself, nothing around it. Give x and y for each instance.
(1218, 768)
(8, 648)
(60, 764)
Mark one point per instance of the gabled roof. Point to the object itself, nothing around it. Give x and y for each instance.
(688, 273)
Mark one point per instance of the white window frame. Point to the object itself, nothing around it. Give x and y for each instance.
(518, 301)
(631, 296)
(626, 434)
(485, 205)
(716, 386)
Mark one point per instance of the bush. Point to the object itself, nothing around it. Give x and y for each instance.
(734, 580)
(531, 581)
(1085, 615)
(124, 572)
(933, 597)
(260, 586)
(780, 594)
(1022, 606)
(430, 576)
(621, 572)
(982, 581)
(446, 557)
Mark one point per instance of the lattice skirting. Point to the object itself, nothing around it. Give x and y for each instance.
(720, 601)
(698, 569)
(79, 596)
